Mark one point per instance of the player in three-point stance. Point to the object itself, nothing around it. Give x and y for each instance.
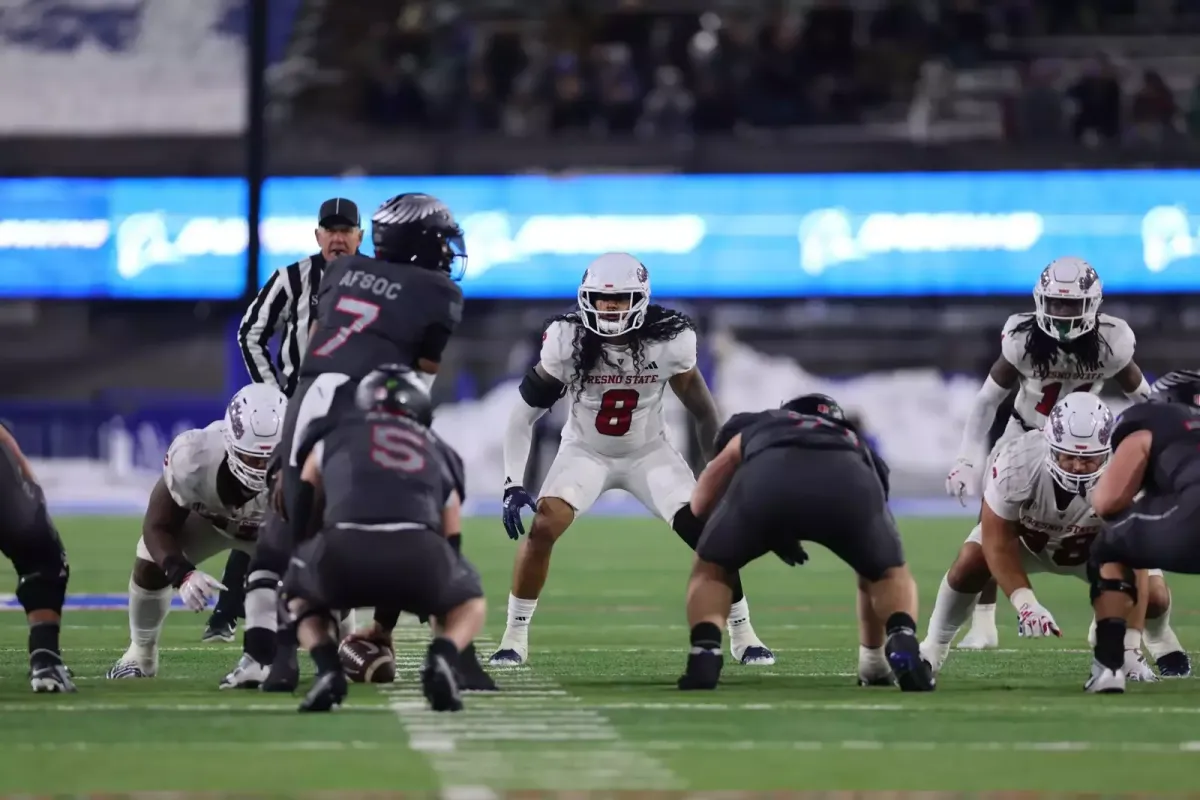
(389, 535)
(802, 472)
(1037, 518)
(1065, 345)
(1149, 499)
(614, 356)
(210, 499)
(30, 541)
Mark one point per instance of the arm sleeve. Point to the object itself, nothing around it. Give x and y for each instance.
(258, 325)
(979, 421)
(518, 437)
(556, 356)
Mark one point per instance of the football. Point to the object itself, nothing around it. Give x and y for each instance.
(367, 662)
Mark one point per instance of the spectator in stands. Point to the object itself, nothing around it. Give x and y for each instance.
(1193, 112)
(482, 109)
(668, 107)
(965, 33)
(618, 88)
(1097, 97)
(570, 105)
(827, 42)
(1155, 115)
(1035, 113)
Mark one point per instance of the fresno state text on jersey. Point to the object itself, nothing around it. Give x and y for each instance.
(190, 475)
(618, 410)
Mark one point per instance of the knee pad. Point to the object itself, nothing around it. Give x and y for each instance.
(687, 526)
(44, 590)
(325, 615)
(262, 579)
(1127, 583)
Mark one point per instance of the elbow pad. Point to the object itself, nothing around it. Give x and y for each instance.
(538, 392)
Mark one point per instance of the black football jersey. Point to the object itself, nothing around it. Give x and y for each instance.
(1174, 443)
(372, 312)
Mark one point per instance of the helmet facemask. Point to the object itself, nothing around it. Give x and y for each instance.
(1065, 318)
(612, 313)
(1076, 472)
(248, 466)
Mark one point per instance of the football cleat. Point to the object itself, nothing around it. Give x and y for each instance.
(913, 673)
(219, 630)
(471, 676)
(1136, 669)
(752, 654)
(877, 680)
(510, 654)
(980, 637)
(131, 666)
(439, 683)
(934, 655)
(328, 692)
(703, 670)
(248, 674)
(1104, 680)
(1174, 665)
(48, 674)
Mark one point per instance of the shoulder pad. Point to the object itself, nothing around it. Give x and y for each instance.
(1120, 337)
(187, 458)
(1017, 465)
(735, 425)
(1138, 417)
(1012, 343)
(558, 344)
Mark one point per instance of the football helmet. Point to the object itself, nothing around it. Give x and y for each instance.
(1177, 386)
(253, 428)
(622, 284)
(396, 390)
(1079, 432)
(414, 228)
(1067, 298)
(818, 405)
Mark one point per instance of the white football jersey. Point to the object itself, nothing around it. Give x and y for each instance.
(620, 409)
(1035, 395)
(1021, 489)
(190, 475)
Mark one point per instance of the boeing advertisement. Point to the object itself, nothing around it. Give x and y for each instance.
(700, 236)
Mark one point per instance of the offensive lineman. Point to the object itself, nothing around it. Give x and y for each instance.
(30, 541)
(210, 499)
(1064, 346)
(1037, 518)
(793, 473)
(399, 307)
(390, 537)
(615, 355)
(1155, 455)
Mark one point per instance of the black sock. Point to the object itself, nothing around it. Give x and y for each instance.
(901, 622)
(441, 646)
(259, 644)
(43, 636)
(325, 656)
(706, 636)
(1110, 642)
(735, 585)
(231, 603)
(455, 540)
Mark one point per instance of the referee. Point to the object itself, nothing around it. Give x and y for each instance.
(284, 305)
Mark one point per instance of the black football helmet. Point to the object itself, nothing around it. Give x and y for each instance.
(1177, 386)
(395, 390)
(414, 228)
(819, 405)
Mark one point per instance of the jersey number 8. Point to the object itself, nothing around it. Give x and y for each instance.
(616, 412)
(1072, 551)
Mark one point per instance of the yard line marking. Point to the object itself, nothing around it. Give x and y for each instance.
(576, 747)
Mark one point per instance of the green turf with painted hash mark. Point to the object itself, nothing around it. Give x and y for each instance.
(597, 707)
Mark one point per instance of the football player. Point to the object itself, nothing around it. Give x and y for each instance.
(1065, 345)
(1037, 518)
(614, 357)
(210, 499)
(30, 541)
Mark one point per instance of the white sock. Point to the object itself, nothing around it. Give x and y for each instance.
(950, 612)
(262, 602)
(984, 616)
(147, 613)
(738, 622)
(1160, 639)
(872, 662)
(1133, 640)
(520, 614)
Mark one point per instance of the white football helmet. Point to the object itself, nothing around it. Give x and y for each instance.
(253, 428)
(614, 277)
(1067, 298)
(1079, 431)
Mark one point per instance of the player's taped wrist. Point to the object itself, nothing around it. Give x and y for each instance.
(177, 568)
(1142, 392)
(1022, 597)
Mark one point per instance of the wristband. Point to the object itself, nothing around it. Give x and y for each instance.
(1022, 597)
(177, 568)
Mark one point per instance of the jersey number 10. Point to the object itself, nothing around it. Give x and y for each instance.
(616, 412)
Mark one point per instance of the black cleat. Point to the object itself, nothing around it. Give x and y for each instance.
(885, 680)
(1174, 665)
(48, 674)
(440, 684)
(471, 675)
(912, 672)
(284, 674)
(327, 693)
(703, 671)
(219, 629)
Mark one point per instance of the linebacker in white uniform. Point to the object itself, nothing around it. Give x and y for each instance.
(1064, 346)
(210, 499)
(615, 356)
(1037, 518)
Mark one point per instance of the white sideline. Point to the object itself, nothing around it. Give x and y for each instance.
(576, 746)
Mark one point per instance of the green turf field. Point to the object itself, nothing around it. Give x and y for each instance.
(597, 708)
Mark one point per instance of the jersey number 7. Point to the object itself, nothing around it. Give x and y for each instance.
(364, 313)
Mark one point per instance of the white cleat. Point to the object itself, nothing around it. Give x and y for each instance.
(980, 637)
(134, 665)
(1136, 669)
(511, 653)
(248, 674)
(750, 651)
(1104, 680)
(934, 654)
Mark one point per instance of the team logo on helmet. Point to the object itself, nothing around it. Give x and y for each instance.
(1057, 426)
(1088, 279)
(584, 279)
(235, 420)
(1045, 278)
(1106, 428)
(642, 274)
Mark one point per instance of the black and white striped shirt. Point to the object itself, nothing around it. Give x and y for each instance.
(286, 304)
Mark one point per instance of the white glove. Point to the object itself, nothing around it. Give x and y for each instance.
(963, 479)
(198, 589)
(1033, 620)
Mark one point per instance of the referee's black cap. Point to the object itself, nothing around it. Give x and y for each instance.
(339, 211)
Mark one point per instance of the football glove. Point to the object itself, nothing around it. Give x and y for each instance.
(1033, 620)
(963, 480)
(198, 589)
(516, 498)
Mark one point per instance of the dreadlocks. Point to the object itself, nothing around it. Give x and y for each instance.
(661, 325)
(1043, 350)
